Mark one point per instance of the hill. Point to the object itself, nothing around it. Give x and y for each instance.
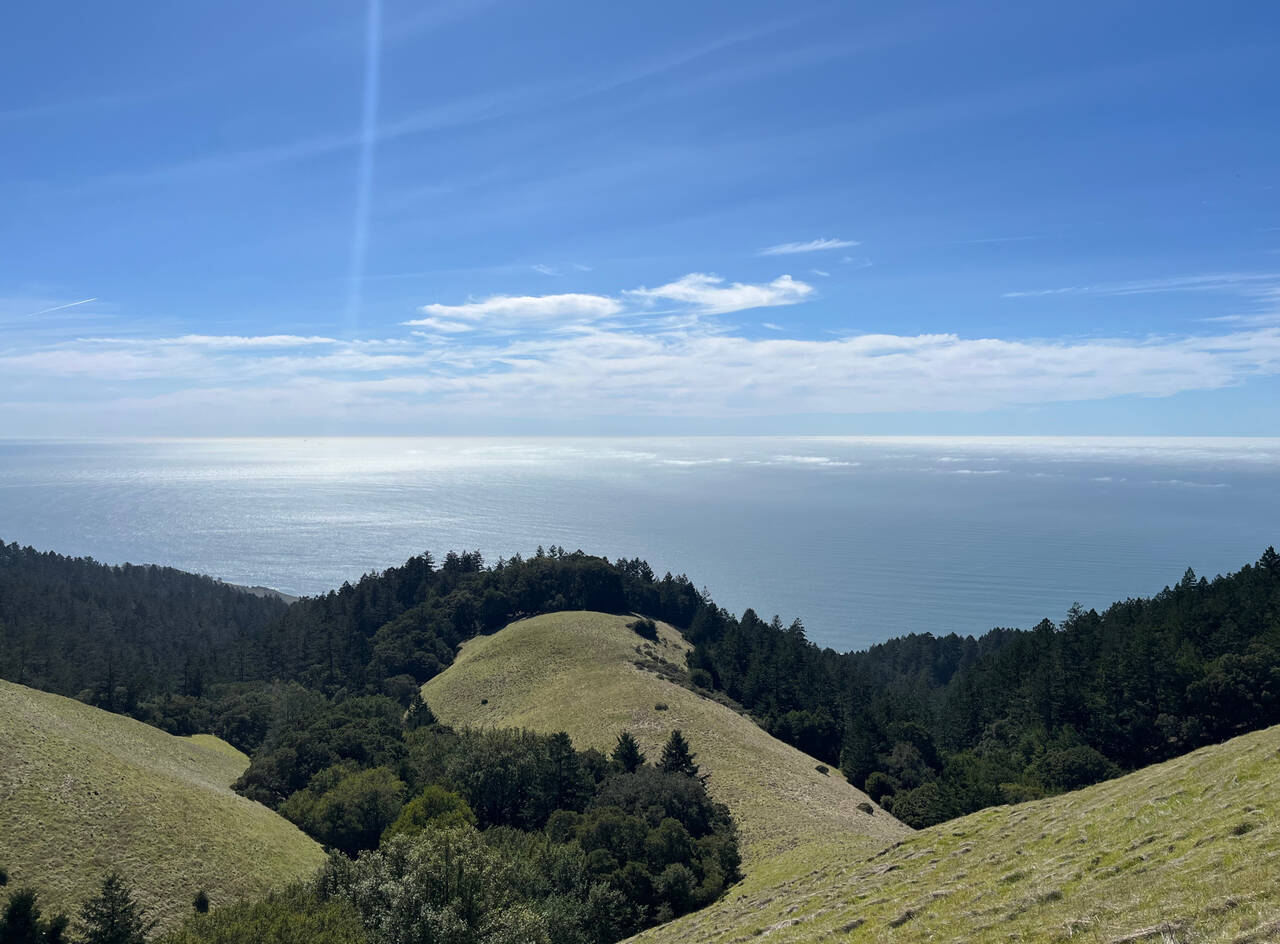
(1184, 851)
(578, 672)
(83, 791)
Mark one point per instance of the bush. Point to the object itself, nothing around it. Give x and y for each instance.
(288, 917)
(433, 808)
(923, 806)
(822, 769)
(201, 902)
(347, 808)
(645, 628)
(880, 785)
(1072, 768)
(702, 679)
(866, 808)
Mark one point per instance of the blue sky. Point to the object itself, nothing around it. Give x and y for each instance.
(703, 217)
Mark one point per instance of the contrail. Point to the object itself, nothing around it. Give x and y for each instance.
(46, 311)
(364, 175)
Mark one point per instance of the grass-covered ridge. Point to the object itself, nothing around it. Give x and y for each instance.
(83, 791)
(578, 672)
(1184, 851)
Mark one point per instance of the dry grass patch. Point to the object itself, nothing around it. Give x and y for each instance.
(83, 791)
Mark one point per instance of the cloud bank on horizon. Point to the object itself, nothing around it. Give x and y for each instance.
(669, 351)
(833, 219)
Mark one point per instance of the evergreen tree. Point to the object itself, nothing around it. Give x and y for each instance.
(20, 923)
(627, 753)
(419, 714)
(677, 756)
(113, 916)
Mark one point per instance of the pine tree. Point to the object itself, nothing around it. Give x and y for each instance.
(677, 757)
(112, 916)
(627, 753)
(419, 714)
(20, 923)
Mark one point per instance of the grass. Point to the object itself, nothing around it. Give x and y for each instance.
(577, 672)
(1187, 851)
(83, 791)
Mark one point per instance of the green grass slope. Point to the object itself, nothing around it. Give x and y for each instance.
(83, 791)
(1185, 851)
(577, 672)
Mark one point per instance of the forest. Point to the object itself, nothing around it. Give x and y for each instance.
(324, 696)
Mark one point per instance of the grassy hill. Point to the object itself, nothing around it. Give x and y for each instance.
(1186, 851)
(83, 791)
(578, 672)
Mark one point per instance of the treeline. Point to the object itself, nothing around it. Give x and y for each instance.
(157, 643)
(935, 727)
(114, 636)
(932, 726)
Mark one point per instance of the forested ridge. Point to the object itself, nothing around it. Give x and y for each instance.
(933, 726)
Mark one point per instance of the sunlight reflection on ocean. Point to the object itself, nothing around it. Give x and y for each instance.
(862, 538)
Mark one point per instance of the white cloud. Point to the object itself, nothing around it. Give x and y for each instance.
(645, 353)
(546, 269)
(820, 272)
(1232, 281)
(223, 341)
(622, 372)
(709, 294)
(813, 245)
(444, 325)
(521, 308)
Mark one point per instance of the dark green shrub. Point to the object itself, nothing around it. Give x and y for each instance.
(880, 785)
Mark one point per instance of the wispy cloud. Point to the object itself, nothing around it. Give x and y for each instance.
(813, 245)
(45, 311)
(709, 294)
(546, 269)
(225, 341)
(1232, 281)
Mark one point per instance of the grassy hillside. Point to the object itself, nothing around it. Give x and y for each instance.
(83, 791)
(577, 672)
(1185, 851)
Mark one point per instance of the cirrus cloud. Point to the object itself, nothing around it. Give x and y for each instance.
(813, 245)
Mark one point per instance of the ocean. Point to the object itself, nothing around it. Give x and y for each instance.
(861, 538)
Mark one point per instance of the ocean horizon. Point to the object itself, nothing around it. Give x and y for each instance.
(862, 538)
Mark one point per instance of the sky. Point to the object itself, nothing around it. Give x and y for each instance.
(478, 216)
